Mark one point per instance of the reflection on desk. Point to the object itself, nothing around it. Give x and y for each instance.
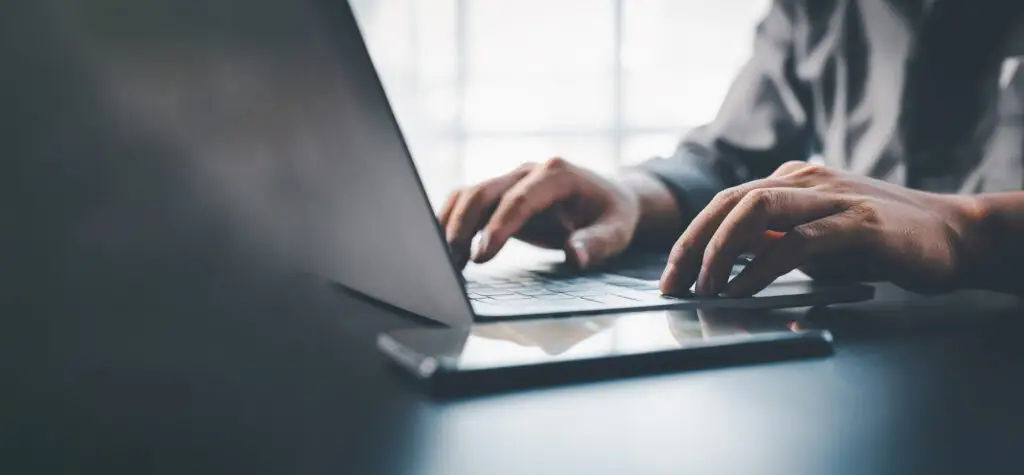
(527, 342)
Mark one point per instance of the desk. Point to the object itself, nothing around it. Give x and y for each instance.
(280, 375)
(148, 326)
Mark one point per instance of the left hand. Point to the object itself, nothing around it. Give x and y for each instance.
(830, 224)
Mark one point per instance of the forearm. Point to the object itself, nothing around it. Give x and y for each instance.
(994, 254)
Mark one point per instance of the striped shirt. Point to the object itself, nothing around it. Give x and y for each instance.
(926, 94)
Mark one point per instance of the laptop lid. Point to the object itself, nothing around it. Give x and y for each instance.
(389, 245)
(267, 112)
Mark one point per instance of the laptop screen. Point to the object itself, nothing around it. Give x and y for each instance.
(267, 114)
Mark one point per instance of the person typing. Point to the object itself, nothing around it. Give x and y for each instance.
(911, 108)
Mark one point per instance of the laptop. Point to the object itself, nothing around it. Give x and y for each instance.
(270, 115)
(399, 230)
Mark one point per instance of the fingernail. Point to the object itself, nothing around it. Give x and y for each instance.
(580, 248)
(481, 245)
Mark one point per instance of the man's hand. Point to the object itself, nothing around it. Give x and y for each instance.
(830, 224)
(555, 205)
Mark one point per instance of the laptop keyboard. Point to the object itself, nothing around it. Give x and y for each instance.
(502, 291)
(498, 290)
(600, 288)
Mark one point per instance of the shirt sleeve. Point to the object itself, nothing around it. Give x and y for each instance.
(762, 123)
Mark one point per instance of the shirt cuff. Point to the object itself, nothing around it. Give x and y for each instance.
(688, 178)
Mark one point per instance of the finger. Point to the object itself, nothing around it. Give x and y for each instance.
(838, 233)
(446, 210)
(789, 167)
(760, 210)
(767, 239)
(470, 211)
(550, 228)
(465, 219)
(600, 241)
(536, 192)
(685, 258)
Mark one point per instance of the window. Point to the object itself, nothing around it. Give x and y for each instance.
(480, 86)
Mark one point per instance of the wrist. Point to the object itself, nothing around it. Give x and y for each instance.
(659, 219)
(972, 239)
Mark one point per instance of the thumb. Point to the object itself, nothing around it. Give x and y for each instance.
(598, 242)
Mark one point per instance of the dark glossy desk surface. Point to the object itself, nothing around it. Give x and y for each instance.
(280, 375)
(144, 329)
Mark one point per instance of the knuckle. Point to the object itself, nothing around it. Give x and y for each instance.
(525, 167)
(728, 195)
(449, 231)
(517, 201)
(678, 251)
(810, 175)
(790, 167)
(450, 203)
(709, 259)
(687, 241)
(713, 249)
(813, 169)
(866, 212)
(720, 197)
(805, 233)
(454, 234)
(708, 262)
(808, 170)
(474, 197)
(760, 199)
(556, 164)
(518, 198)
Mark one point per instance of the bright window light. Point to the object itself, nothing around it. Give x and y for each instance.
(480, 86)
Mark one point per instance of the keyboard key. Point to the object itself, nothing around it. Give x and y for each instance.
(491, 292)
(634, 294)
(640, 285)
(574, 304)
(540, 293)
(505, 298)
(534, 291)
(615, 279)
(585, 293)
(554, 296)
(597, 286)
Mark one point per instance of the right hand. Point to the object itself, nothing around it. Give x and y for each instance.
(555, 205)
